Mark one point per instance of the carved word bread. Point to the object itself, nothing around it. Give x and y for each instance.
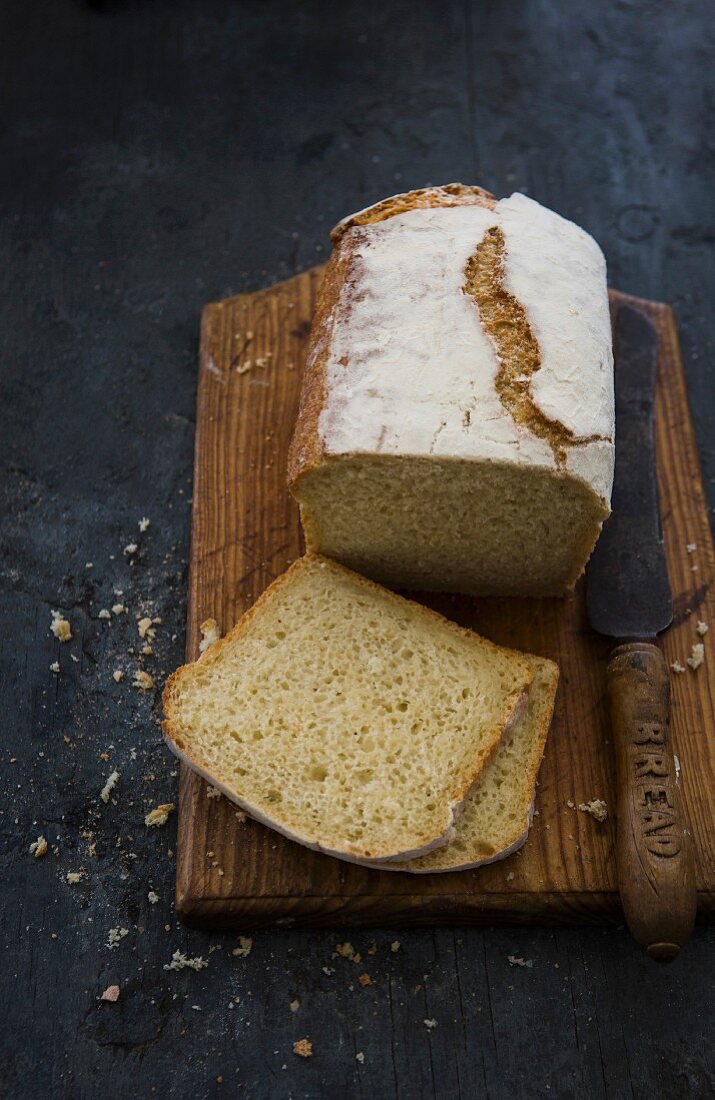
(457, 420)
(347, 718)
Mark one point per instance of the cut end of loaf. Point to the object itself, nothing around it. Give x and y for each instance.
(344, 716)
(440, 524)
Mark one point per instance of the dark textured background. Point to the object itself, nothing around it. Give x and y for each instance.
(160, 155)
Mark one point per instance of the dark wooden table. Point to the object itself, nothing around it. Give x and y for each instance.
(157, 156)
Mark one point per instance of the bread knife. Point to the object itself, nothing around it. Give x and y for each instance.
(628, 598)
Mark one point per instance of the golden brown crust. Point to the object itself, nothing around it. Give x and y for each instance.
(306, 449)
(174, 740)
(450, 194)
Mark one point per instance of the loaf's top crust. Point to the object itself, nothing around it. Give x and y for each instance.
(455, 325)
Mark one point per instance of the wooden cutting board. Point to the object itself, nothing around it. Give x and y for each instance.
(238, 874)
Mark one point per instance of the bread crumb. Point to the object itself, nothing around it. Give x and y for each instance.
(430, 1024)
(360, 1057)
(104, 614)
(365, 980)
(345, 950)
(109, 787)
(328, 970)
(303, 1048)
(240, 816)
(210, 634)
(73, 877)
(115, 936)
(55, 667)
(159, 815)
(144, 524)
(570, 803)
(516, 960)
(60, 627)
(145, 628)
(179, 961)
(153, 897)
(38, 848)
(702, 628)
(596, 808)
(212, 792)
(510, 877)
(130, 548)
(691, 547)
(697, 656)
(118, 675)
(395, 946)
(111, 993)
(677, 667)
(142, 680)
(118, 609)
(245, 943)
(295, 1005)
(147, 650)
(372, 949)
(676, 761)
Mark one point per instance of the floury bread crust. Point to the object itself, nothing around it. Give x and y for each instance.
(456, 425)
(345, 717)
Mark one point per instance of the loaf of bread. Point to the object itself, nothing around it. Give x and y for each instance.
(457, 420)
(344, 716)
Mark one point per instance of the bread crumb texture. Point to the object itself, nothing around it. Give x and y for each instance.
(245, 943)
(111, 994)
(697, 656)
(109, 786)
(346, 716)
(60, 627)
(115, 936)
(596, 808)
(38, 848)
(180, 961)
(210, 634)
(303, 1048)
(159, 815)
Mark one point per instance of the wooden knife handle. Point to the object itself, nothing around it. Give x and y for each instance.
(656, 875)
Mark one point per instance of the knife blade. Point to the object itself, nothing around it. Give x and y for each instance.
(628, 598)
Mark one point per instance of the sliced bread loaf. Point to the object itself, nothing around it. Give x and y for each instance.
(348, 718)
(496, 816)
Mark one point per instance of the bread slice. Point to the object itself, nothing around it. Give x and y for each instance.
(496, 816)
(347, 718)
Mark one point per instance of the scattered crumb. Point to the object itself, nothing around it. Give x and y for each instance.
(104, 614)
(677, 667)
(395, 946)
(143, 680)
(691, 547)
(73, 877)
(55, 667)
(109, 786)
(144, 524)
(295, 1005)
(210, 634)
(328, 970)
(516, 960)
(345, 950)
(596, 808)
(360, 1057)
(38, 848)
(159, 815)
(212, 792)
(702, 628)
(118, 675)
(153, 897)
(240, 816)
(179, 961)
(430, 1024)
(372, 949)
(60, 627)
(303, 1048)
(115, 937)
(676, 761)
(145, 628)
(510, 877)
(111, 993)
(365, 980)
(130, 548)
(245, 943)
(118, 609)
(570, 803)
(147, 650)
(697, 656)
